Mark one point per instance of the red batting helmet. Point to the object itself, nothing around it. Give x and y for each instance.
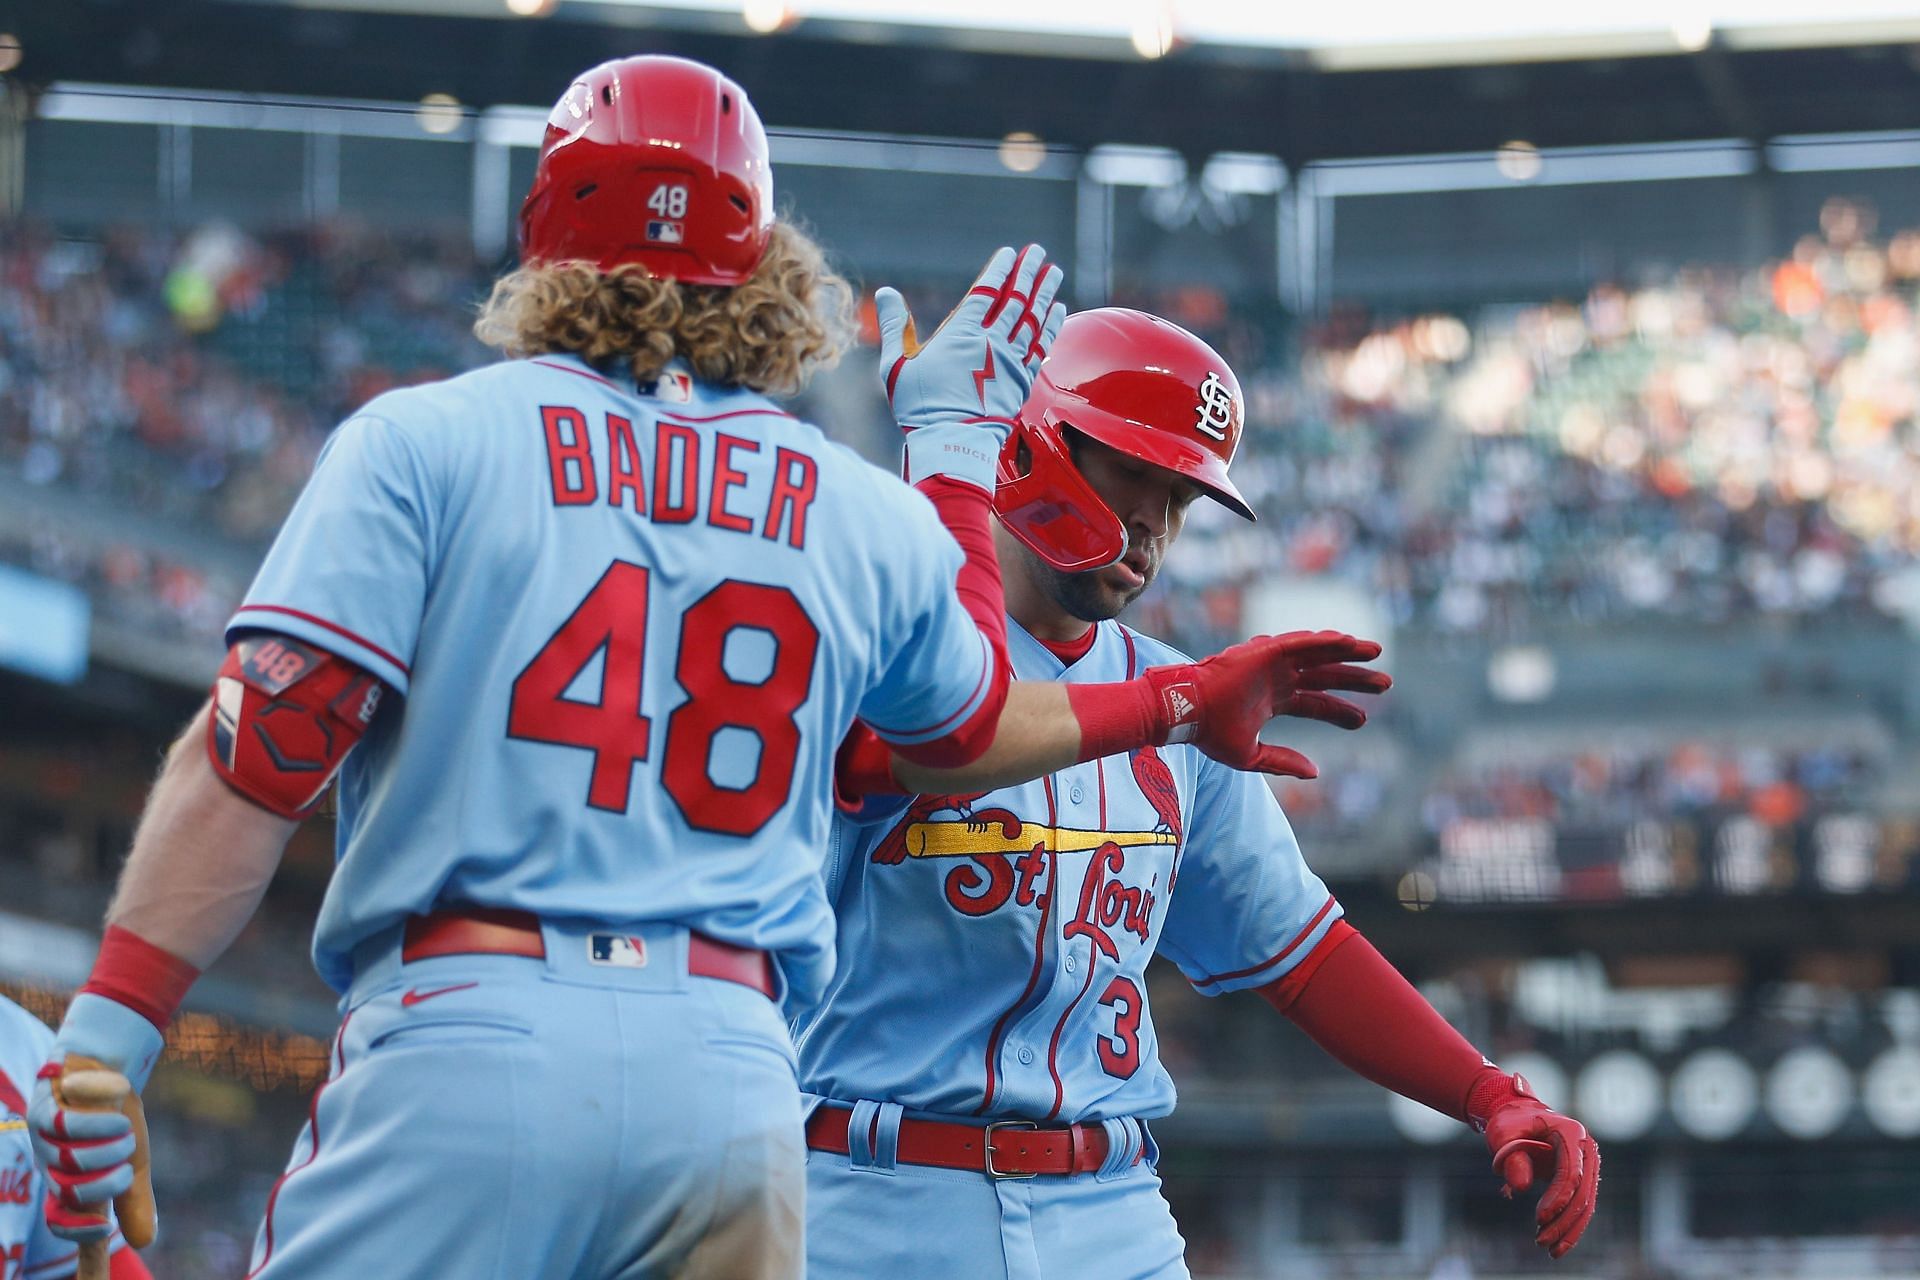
(1135, 383)
(656, 161)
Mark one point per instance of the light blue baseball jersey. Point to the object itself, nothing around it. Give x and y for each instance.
(629, 630)
(993, 948)
(28, 1251)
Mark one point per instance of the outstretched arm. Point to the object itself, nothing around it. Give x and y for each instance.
(234, 786)
(1220, 705)
(1361, 1010)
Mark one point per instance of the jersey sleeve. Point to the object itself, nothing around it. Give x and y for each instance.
(349, 569)
(936, 668)
(1246, 907)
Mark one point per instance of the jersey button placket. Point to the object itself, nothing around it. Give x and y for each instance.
(1025, 1055)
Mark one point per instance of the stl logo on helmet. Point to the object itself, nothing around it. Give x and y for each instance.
(1216, 407)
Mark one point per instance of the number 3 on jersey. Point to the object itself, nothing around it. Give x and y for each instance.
(612, 622)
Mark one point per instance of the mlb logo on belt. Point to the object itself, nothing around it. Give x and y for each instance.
(623, 951)
(666, 232)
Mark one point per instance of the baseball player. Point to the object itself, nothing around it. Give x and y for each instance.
(579, 632)
(983, 1066)
(28, 1248)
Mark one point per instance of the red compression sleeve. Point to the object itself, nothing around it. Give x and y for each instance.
(1360, 1009)
(141, 976)
(967, 512)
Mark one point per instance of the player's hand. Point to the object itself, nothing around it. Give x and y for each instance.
(1220, 705)
(1528, 1139)
(88, 1128)
(956, 393)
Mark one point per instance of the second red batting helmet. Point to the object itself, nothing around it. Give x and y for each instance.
(1135, 383)
(654, 161)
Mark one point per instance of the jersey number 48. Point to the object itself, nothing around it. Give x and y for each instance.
(613, 620)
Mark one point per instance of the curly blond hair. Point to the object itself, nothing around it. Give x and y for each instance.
(791, 318)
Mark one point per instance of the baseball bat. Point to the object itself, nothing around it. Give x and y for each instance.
(88, 1085)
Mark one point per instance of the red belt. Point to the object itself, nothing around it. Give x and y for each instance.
(1003, 1149)
(496, 931)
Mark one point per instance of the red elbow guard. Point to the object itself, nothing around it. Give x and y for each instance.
(285, 714)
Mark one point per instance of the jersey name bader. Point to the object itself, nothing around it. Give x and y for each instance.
(617, 474)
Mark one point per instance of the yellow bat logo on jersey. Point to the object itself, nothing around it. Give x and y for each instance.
(967, 839)
(1010, 859)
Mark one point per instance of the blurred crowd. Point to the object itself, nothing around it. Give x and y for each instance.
(1712, 445)
(1709, 445)
(1618, 783)
(193, 378)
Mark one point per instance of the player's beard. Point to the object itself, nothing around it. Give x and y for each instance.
(1098, 594)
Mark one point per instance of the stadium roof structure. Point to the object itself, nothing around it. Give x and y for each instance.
(1845, 67)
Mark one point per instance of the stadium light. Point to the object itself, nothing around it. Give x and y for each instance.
(767, 16)
(1122, 166)
(10, 52)
(532, 8)
(438, 113)
(1022, 152)
(1693, 32)
(1153, 35)
(1243, 173)
(1518, 160)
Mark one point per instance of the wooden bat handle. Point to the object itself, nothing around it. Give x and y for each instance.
(87, 1085)
(92, 1089)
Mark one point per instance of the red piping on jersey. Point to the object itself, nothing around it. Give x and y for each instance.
(1133, 656)
(986, 671)
(1278, 956)
(334, 627)
(1053, 1045)
(1039, 953)
(731, 413)
(1100, 772)
(10, 1095)
(578, 373)
(313, 1153)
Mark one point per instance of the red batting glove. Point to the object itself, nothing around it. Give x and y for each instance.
(1220, 705)
(1527, 1137)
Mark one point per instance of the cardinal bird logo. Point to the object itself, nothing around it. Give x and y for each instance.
(1156, 783)
(893, 849)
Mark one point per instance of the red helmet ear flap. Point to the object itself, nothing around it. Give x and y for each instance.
(1046, 503)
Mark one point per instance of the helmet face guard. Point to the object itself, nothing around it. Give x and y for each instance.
(1137, 384)
(656, 162)
(1050, 506)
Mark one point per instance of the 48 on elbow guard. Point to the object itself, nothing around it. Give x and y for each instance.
(285, 714)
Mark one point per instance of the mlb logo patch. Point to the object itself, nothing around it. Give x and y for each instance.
(666, 232)
(620, 950)
(672, 386)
